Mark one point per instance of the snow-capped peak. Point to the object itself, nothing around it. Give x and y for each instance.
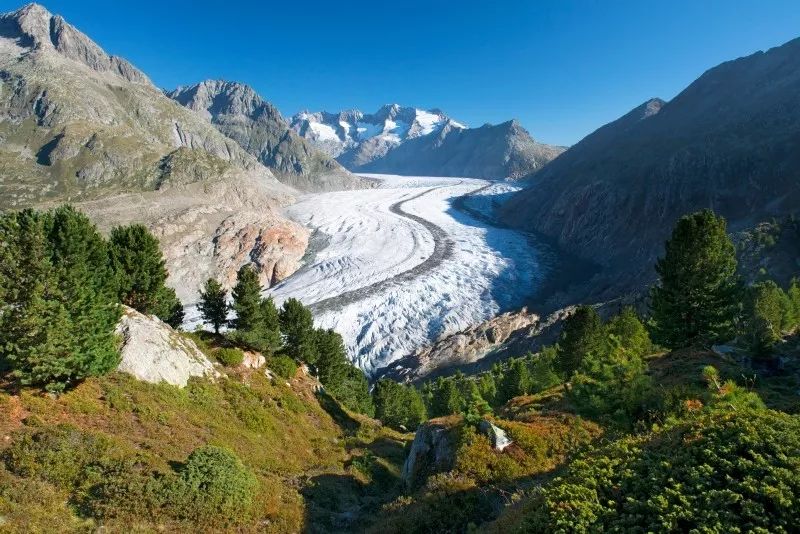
(390, 126)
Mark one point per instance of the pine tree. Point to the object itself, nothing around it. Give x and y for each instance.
(516, 380)
(141, 275)
(633, 335)
(247, 301)
(611, 384)
(353, 391)
(297, 326)
(168, 307)
(447, 398)
(487, 386)
(79, 255)
(255, 323)
(58, 326)
(398, 406)
(213, 304)
(794, 304)
(332, 359)
(696, 300)
(583, 333)
(766, 312)
(476, 406)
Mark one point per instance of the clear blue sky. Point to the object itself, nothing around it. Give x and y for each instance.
(562, 67)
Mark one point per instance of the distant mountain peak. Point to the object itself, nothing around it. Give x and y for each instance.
(34, 27)
(239, 112)
(408, 140)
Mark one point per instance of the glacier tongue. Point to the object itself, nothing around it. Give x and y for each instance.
(400, 266)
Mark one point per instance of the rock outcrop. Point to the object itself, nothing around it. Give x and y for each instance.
(243, 115)
(497, 436)
(153, 352)
(477, 347)
(432, 451)
(405, 140)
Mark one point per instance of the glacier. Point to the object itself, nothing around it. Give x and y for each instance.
(395, 267)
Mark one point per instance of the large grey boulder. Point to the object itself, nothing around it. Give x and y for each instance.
(153, 352)
(432, 451)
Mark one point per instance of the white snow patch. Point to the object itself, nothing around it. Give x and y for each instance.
(428, 122)
(323, 132)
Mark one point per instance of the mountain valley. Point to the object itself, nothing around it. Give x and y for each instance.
(215, 317)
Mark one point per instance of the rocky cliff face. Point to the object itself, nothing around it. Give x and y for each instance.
(410, 141)
(477, 347)
(242, 115)
(79, 125)
(727, 142)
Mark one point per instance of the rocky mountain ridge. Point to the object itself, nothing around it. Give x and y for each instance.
(240, 113)
(727, 142)
(411, 141)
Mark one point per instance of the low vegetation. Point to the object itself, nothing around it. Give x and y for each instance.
(681, 420)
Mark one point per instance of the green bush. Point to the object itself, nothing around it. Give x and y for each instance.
(62, 455)
(283, 366)
(214, 485)
(229, 356)
(737, 471)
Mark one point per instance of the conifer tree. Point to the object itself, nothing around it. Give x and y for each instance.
(794, 304)
(696, 300)
(255, 323)
(141, 275)
(633, 335)
(476, 405)
(397, 405)
(247, 300)
(332, 359)
(516, 380)
(297, 326)
(583, 333)
(611, 384)
(487, 386)
(58, 325)
(213, 304)
(767, 312)
(446, 398)
(79, 255)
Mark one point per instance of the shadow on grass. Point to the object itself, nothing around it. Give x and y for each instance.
(345, 421)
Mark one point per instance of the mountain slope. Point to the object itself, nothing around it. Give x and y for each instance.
(728, 141)
(405, 140)
(80, 125)
(501, 151)
(242, 115)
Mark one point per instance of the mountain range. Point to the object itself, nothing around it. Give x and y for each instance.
(729, 142)
(237, 111)
(410, 141)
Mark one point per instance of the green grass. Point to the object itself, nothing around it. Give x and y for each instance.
(281, 434)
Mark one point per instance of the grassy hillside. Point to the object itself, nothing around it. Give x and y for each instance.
(294, 444)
